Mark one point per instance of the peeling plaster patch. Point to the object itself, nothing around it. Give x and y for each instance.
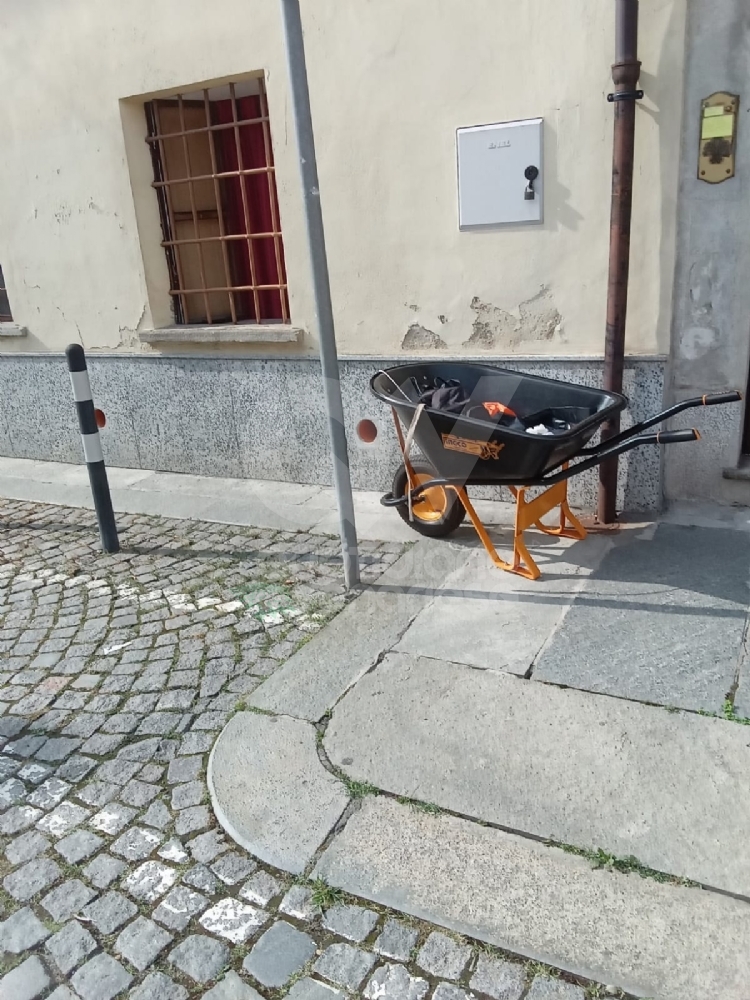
(129, 335)
(538, 319)
(697, 341)
(701, 357)
(419, 338)
(491, 326)
(702, 335)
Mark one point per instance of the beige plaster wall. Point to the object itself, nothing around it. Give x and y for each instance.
(390, 80)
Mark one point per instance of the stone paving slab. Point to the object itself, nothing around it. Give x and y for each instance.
(653, 939)
(279, 954)
(26, 981)
(660, 621)
(673, 789)
(313, 680)
(495, 620)
(270, 791)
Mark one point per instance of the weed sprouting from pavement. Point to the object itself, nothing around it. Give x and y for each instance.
(426, 807)
(730, 713)
(594, 991)
(286, 988)
(358, 789)
(540, 969)
(324, 895)
(629, 865)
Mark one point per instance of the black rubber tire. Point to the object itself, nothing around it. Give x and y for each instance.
(441, 528)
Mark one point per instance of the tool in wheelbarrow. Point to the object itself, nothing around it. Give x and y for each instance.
(511, 429)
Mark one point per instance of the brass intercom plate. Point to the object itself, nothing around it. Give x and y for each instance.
(718, 138)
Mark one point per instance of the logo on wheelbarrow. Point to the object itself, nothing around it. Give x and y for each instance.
(482, 449)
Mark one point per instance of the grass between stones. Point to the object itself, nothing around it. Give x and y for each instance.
(324, 895)
(630, 865)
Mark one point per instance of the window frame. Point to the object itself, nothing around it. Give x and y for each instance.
(5, 317)
(254, 299)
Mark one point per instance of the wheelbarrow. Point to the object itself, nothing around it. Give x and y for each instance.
(510, 429)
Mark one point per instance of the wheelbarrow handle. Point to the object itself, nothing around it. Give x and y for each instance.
(676, 437)
(618, 446)
(711, 399)
(716, 398)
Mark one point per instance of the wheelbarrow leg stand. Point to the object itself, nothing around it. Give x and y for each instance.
(480, 529)
(529, 514)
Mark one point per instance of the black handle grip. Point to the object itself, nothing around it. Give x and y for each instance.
(715, 398)
(676, 437)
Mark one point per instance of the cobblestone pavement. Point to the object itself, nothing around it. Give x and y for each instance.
(116, 675)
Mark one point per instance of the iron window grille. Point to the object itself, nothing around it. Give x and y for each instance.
(215, 181)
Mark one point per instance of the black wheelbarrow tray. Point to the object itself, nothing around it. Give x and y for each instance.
(463, 449)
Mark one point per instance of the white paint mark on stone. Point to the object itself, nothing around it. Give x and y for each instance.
(108, 650)
(112, 818)
(11, 791)
(178, 599)
(173, 851)
(150, 881)
(62, 819)
(230, 606)
(232, 920)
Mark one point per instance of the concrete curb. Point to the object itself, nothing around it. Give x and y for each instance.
(269, 790)
(653, 940)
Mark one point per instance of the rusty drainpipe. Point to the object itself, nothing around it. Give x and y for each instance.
(625, 73)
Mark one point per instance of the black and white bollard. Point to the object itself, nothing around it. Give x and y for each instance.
(92, 447)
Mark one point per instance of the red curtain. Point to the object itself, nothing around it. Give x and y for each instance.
(258, 198)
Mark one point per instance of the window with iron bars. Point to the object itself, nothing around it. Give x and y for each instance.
(5, 314)
(216, 185)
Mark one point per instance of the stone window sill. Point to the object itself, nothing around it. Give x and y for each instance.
(12, 330)
(250, 333)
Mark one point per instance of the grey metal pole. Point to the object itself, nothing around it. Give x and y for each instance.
(302, 116)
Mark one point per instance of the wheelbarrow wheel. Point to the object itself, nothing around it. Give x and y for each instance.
(438, 512)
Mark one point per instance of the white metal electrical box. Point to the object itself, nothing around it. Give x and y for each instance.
(500, 174)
